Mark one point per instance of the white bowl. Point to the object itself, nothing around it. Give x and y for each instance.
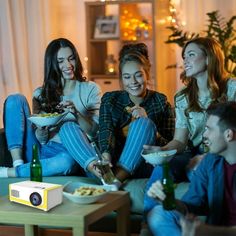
(40, 120)
(69, 189)
(158, 157)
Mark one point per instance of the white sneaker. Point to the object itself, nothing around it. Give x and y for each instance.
(114, 186)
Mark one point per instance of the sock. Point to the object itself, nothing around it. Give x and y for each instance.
(17, 162)
(3, 172)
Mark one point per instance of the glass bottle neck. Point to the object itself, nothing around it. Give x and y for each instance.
(35, 153)
(165, 167)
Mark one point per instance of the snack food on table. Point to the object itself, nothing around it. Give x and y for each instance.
(128, 109)
(88, 191)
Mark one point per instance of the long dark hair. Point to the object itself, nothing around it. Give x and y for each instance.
(217, 75)
(52, 88)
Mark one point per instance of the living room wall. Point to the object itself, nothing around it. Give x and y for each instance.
(27, 26)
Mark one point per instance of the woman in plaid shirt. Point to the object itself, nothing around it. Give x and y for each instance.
(134, 116)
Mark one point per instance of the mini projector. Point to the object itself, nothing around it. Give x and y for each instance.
(40, 195)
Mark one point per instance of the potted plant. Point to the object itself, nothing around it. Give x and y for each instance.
(217, 28)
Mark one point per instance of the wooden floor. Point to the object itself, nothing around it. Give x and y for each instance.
(19, 231)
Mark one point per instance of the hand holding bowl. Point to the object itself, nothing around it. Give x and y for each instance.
(155, 157)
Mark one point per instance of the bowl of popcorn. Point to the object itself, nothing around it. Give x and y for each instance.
(158, 157)
(84, 193)
(46, 119)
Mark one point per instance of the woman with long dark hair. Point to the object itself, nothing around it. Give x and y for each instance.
(64, 89)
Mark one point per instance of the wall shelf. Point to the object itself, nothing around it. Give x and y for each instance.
(130, 14)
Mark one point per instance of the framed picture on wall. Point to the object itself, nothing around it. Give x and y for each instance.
(106, 27)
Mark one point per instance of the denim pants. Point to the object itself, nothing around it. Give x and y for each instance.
(178, 171)
(141, 131)
(56, 158)
(164, 223)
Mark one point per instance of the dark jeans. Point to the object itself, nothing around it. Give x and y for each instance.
(178, 166)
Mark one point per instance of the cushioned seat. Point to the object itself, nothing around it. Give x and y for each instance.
(135, 187)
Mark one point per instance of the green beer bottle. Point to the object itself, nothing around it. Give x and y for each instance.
(168, 188)
(35, 166)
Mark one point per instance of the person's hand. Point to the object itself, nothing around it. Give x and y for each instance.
(41, 131)
(189, 224)
(150, 149)
(92, 168)
(138, 112)
(41, 134)
(156, 191)
(150, 154)
(67, 106)
(107, 156)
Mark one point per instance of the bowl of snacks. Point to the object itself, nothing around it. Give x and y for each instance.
(46, 119)
(158, 157)
(84, 193)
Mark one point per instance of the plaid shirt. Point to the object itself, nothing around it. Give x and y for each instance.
(113, 117)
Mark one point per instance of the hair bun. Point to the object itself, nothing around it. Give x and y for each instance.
(134, 48)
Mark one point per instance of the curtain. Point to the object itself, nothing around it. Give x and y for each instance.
(22, 43)
(27, 26)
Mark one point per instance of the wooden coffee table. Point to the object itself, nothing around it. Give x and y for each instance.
(68, 214)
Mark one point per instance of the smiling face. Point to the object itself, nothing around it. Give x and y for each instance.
(66, 63)
(134, 79)
(214, 136)
(195, 61)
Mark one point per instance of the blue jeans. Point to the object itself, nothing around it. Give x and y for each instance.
(56, 158)
(141, 131)
(18, 128)
(164, 223)
(178, 171)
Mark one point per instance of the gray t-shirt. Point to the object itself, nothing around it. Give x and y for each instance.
(86, 98)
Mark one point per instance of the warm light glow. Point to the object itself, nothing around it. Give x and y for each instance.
(133, 25)
(162, 21)
(173, 18)
(169, 18)
(111, 70)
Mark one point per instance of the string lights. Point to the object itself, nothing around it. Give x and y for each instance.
(133, 25)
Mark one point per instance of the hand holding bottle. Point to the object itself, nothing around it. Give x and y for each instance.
(164, 190)
(103, 165)
(156, 191)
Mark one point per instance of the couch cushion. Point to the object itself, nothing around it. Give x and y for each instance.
(136, 188)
